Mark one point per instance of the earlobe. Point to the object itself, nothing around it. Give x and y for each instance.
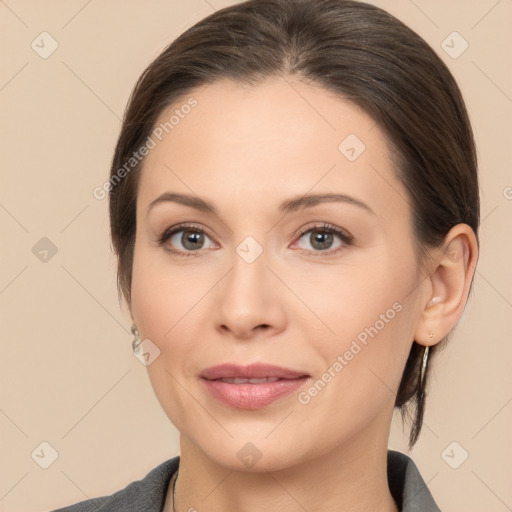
(449, 280)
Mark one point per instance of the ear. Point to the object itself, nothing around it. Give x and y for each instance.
(450, 273)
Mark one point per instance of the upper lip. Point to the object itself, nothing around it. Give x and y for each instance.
(252, 371)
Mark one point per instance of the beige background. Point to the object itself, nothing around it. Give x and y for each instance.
(68, 376)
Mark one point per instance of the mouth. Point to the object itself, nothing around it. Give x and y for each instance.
(253, 371)
(253, 386)
(241, 380)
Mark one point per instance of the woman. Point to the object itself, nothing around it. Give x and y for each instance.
(294, 206)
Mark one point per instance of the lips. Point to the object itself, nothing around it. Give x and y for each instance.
(240, 380)
(252, 372)
(253, 386)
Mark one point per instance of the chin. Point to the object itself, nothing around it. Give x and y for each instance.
(240, 453)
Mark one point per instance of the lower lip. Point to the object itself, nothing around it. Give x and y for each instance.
(252, 396)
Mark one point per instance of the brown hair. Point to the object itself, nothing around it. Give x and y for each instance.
(360, 52)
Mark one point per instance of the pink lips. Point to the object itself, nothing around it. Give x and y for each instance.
(251, 395)
(252, 371)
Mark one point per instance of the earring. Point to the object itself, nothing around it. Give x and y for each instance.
(136, 340)
(423, 366)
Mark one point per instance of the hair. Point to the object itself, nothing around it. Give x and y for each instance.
(361, 53)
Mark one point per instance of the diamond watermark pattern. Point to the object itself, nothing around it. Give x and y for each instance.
(44, 45)
(454, 45)
(44, 250)
(351, 147)
(44, 455)
(454, 255)
(249, 455)
(146, 352)
(249, 249)
(454, 455)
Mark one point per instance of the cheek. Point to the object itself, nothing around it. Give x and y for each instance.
(152, 302)
(169, 306)
(162, 307)
(361, 367)
(162, 293)
(369, 313)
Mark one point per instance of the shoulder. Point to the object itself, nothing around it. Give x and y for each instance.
(407, 485)
(146, 494)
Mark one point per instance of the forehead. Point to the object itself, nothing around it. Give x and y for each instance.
(261, 143)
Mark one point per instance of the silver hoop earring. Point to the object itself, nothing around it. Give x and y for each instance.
(136, 340)
(423, 366)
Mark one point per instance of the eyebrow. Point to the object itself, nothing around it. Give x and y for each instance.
(289, 206)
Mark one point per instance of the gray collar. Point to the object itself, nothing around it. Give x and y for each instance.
(407, 486)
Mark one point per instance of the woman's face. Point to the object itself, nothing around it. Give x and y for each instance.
(261, 279)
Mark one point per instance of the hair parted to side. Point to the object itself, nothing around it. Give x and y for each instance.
(360, 52)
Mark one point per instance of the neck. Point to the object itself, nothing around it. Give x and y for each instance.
(352, 477)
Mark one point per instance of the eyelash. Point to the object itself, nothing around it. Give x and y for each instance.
(325, 228)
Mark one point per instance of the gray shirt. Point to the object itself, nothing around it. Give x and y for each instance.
(148, 494)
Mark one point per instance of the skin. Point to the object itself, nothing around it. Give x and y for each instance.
(246, 149)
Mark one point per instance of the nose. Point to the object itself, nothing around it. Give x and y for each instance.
(249, 300)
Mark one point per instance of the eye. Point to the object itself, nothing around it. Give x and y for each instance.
(321, 238)
(191, 238)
